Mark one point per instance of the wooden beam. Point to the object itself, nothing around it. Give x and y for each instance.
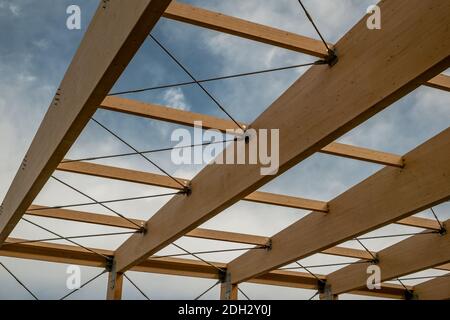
(188, 118)
(245, 29)
(228, 291)
(68, 254)
(264, 34)
(412, 255)
(117, 31)
(162, 113)
(435, 289)
(113, 221)
(115, 284)
(374, 70)
(441, 82)
(363, 154)
(127, 175)
(383, 198)
(287, 201)
(158, 180)
(98, 170)
(419, 222)
(445, 267)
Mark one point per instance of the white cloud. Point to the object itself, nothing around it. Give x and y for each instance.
(24, 96)
(15, 9)
(175, 98)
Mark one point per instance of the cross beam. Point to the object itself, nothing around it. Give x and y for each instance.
(388, 195)
(115, 34)
(374, 70)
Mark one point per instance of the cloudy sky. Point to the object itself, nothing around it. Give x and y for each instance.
(35, 50)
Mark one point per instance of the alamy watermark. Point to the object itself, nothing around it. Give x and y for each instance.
(73, 281)
(374, 20)
(73, 21)
(252, 147)
(374, 280)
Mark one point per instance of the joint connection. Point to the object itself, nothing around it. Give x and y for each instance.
(268, 245)
(223, 276)
(332, 58)
(187, 190)
(110, 264)
(410, 295)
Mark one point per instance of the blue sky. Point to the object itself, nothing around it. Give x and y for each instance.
(35, 50)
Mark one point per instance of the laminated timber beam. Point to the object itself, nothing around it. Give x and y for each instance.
(381, 199)
(441, 82)
(414, 254)
(435, 289)
(115, 34)
(158, 180)
(112, 221)
(374, 70)
(69, 254)
(264, 34)
(245, 29)
(153, 179)
(188, 118)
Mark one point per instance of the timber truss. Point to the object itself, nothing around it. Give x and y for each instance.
(359, 76)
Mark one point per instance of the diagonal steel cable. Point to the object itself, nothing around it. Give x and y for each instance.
(195, 80)
(199, 258)
(315, 295)
(96, 202)
(208, 252)
(148, 151)
(307, 270)
(315, 27)
(62, 237)
(207, 290)
(71, 237)
(238, 75)
(398, 235)
(104, 202)
(437, 219)
(245, 295)
(374, 258)
(83, 285)
(138, 152)
(135, 285)
(20, 282)
(327, 265)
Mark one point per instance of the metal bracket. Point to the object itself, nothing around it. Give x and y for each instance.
(105, 3)
(332, 58)
(268, 245)
(24, 163)
(57, 98)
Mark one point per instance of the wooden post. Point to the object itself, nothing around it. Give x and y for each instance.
(115, 283)
(228, 291)
(326, 293)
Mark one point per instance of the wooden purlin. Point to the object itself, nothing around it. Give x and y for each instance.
(352, 79)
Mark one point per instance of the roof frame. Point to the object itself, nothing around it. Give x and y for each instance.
(122, 29)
